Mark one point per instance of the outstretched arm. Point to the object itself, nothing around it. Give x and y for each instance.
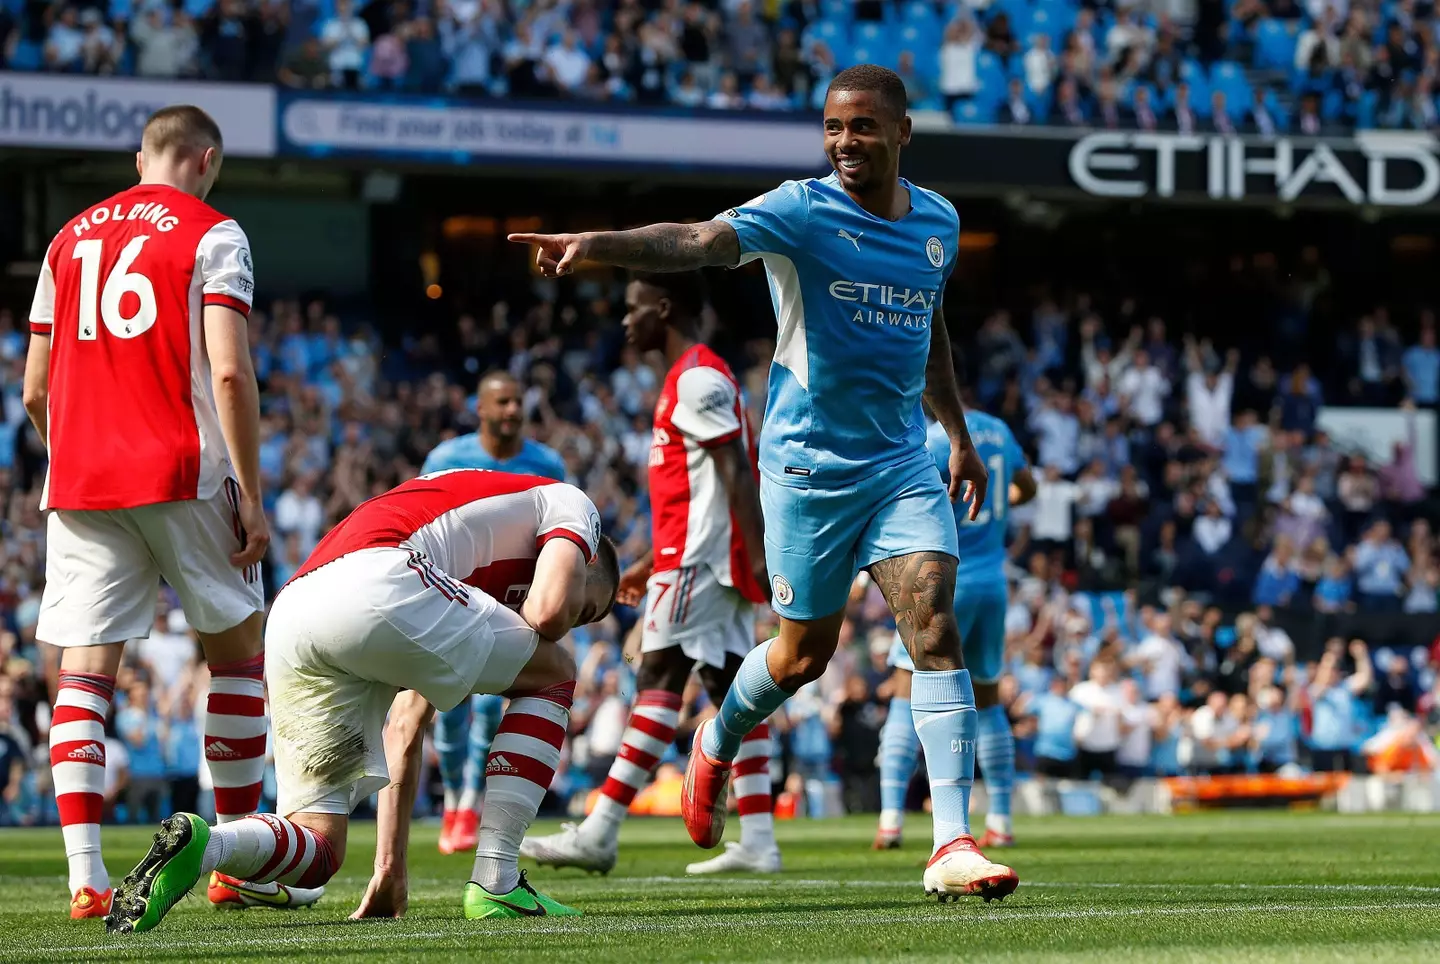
(655, 247)
(942, 394)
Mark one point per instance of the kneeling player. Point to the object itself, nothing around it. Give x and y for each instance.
(403, 604)
(704, 575)
(980, 603)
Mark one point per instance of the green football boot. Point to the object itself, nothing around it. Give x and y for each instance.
(166, 874)
(523, 901)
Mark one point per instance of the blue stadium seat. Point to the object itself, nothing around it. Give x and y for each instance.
(1332, 105)
(1365, 110)
(29, 55)
(920, 13)
(838, 10)
(858, 54)
(871, 34)
(1020, 25)
(922, 44)
(992, 75)
(1054, 21)
(1225, 73)
(1194, 75)
(1015, 8)
(199, 8)
(1274, 44)
(974, 112)
(833, 33)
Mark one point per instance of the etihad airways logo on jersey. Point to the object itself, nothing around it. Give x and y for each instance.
(157, 214)
(912, 305)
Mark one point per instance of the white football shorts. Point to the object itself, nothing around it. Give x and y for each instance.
(103, 569)
(690, 608)
(342, 640)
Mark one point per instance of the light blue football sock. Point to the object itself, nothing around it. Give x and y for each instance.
(996, 753)
(752, 697)
(943, 705)
(899, 747)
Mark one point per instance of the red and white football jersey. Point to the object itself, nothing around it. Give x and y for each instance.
(699, 408)
(132, 413)
(481, 527)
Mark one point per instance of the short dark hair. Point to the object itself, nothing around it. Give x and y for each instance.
(871, 77)
(182, 127)
(685, 289)
(607, 569)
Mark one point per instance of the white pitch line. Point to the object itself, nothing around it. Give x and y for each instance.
(1013, 914)
(699, 881)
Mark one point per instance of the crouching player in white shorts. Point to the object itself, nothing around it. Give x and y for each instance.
(404, 607)
(704, 576)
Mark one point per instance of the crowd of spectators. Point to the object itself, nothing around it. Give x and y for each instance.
(1262, 66)
(1190, 506)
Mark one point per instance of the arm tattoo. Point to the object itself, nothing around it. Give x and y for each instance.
(920, 588)
(942, 388)
(668, 247)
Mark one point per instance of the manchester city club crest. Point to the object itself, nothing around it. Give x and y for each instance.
(784, 594)
(935, 251)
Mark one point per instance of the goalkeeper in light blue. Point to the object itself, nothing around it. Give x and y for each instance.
(857, 263)
(980, 603)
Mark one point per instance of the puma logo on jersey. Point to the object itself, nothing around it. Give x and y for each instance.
(852, 238)
(89, 753)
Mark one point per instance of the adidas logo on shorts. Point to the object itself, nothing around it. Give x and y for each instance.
(89, 753)
(215, 750)
(499, 766)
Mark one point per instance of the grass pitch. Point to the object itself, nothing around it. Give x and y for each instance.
(1251, 887)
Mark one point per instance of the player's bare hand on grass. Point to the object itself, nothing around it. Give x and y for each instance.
(387, 896)
(257, 534)
(556, 254)
(632, 584)
(969, 479)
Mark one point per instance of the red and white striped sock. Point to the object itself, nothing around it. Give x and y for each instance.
(77, 765)
(752, 790)
(648, 735)
(522, 762)
(235, 728)
(263, 847)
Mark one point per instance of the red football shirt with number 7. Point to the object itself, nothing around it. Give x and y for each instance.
(132, 417)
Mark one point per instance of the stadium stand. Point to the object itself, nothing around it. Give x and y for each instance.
(1249, 65)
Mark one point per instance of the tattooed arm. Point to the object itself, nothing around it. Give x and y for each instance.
(942, 394)
(656, 247)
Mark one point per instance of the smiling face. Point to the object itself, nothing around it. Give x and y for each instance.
(863, 138)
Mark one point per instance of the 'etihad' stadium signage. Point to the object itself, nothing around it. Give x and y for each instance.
(1394, 169)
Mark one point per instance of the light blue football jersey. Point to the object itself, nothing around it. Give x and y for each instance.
(982, 542)
(854, 295)
(466, 452)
